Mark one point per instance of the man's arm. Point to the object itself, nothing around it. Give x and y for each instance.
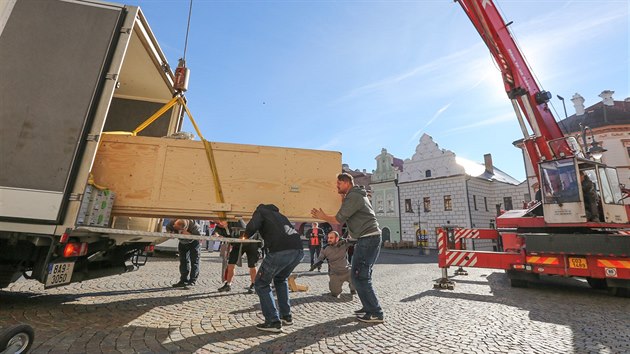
(321, 215)
(254, 224)
(320, 260)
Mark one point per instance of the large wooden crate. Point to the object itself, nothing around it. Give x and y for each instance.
(160, 177)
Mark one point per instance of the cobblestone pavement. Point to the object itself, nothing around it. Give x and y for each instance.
(140, 312)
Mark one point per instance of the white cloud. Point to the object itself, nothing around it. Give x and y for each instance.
(435, 116)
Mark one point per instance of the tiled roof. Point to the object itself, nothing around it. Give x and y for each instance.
(597, 116)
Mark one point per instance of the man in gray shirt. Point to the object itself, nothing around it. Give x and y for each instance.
(356, 211)
(338, 267)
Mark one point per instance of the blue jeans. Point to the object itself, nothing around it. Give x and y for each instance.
(276, 267)
(189, 260)
(365, 254)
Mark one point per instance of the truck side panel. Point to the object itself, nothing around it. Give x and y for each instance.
(44, 125)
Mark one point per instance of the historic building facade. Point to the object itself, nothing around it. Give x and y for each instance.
(385, 195)
(438, 188)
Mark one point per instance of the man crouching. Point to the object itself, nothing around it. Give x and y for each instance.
(338, 266)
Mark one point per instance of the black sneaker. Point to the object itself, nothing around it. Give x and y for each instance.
(275, 327)
(191, 283)
(179, 284)
(360, 312)
(287, 320)
(225, 287)
(250, 290)
(369, 318)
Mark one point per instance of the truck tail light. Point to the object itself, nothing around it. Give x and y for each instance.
(149, 248)
(64, 237)
(75, 249)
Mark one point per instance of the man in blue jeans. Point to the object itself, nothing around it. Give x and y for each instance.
(356, 211)
(188, 251)
(283, 253)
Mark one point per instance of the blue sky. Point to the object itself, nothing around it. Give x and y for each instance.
(358, 76)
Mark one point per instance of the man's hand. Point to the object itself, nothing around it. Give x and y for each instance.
(318, 213)
(316, 265)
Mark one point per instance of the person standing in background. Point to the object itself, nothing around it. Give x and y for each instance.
(315, 237)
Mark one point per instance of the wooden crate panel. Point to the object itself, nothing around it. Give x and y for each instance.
(159, 177)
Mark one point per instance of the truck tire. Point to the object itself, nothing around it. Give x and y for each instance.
(597, 283)
(519, 283)
(17, 339)
(619, 291)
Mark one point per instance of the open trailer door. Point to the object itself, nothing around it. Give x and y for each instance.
(49, 99)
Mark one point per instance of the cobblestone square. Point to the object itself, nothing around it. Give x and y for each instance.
(140, 312)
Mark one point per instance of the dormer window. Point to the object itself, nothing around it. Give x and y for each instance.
(427, 173)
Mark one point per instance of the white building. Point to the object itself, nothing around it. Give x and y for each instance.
(438, 188)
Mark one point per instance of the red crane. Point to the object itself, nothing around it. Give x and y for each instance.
(579, 227)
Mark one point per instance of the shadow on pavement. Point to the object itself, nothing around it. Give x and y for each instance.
(295, 302)
(572, 301)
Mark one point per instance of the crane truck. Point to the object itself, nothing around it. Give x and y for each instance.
(72, 71)
(565, 240)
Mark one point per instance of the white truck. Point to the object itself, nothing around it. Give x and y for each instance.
(70, 70)
(74, 69)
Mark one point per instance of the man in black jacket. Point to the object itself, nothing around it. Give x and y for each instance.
(284, 253)
(188, 251)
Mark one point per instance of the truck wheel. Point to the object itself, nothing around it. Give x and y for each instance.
(597, 283)
(619, 291)
(518, 283)
(7, 276)
(17, 339)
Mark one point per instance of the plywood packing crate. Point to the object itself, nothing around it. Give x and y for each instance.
(160, 177)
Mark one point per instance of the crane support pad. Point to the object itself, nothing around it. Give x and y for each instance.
(615, 245)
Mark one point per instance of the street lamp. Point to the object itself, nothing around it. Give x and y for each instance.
(563, 106)
(595, 151)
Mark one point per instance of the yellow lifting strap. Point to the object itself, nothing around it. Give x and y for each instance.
(206, 144)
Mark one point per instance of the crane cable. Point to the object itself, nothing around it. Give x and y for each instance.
(187, 29)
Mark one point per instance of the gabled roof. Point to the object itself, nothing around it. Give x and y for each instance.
(478, 170)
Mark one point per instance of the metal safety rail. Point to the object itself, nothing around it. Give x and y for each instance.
(452, 252)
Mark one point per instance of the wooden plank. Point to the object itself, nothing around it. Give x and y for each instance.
(159, 177)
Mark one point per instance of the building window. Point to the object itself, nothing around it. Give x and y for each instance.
(408, 208)
(507, 201)
(485, 202)
(475, 202)
(427, 204)
(390, 206)
(427, 173)
(448, 204)
(628, 151)
(379, 204)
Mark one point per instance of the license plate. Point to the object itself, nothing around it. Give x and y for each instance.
(59, 274)
(579, 263)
